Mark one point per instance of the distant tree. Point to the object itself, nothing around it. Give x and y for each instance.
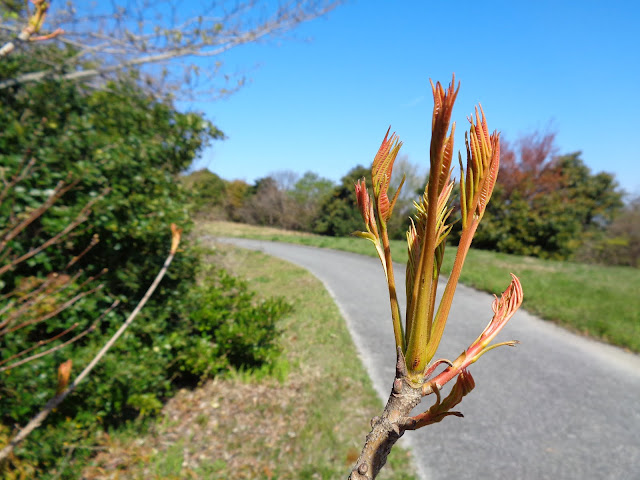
(338, 214)
(546, 205)
(308, 193)
(237, 195)
(625, 231)
(620, 243)
(527, 166)
(595, 199)
(282, 199)
(206, 189)
(285, 179)
(269, 205)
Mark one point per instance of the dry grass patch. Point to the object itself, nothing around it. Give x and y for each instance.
(227, 428)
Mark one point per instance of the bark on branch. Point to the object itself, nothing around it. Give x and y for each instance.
(387, 429)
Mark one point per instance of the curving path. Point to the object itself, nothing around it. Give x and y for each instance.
(558, 406)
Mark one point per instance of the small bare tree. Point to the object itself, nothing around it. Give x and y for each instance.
(418, 338)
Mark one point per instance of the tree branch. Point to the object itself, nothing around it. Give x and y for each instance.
(57, 347)
(80, 218)
(57, 400)
(387, 429)
(138, 35)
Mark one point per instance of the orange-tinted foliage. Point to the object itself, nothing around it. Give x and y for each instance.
(527, 166)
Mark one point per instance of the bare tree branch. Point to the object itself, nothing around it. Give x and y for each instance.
(60, 189)
(57, 347)
(80, 218)
(142, 34)
(33, 347)
(44, 318)
(36, 296)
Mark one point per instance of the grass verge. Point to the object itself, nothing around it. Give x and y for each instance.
(599, 301)
(306, 418)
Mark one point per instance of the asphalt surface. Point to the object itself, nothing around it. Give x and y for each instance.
(558, 406)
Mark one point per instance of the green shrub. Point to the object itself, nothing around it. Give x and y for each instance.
(233, 329)
(221, 325)
(206, 189)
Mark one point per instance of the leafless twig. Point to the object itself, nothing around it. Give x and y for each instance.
(57, 400)
(137, 34)
(57, 347)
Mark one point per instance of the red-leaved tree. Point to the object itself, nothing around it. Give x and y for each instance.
(546, 204)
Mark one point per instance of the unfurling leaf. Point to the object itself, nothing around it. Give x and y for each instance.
(503, 309)
(381, 174)
(176, 233)
(366, 207)
(483, 161)
(64, 373)
(442, 408)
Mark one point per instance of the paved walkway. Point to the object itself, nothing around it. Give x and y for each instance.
(557, 407)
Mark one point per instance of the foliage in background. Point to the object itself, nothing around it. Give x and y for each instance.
(338, 214)
(308, 193)
(268, 204)
(124, 140)
(620, 243)
(546, 205)
(282, 199)
(207, 191)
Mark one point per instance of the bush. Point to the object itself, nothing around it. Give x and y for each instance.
(136, 146)
(231, 328)
(207, 192)
(548, 218)
(227, 329)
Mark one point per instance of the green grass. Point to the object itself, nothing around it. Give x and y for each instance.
(599, 301)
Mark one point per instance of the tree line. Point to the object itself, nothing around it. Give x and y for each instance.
(545, 204)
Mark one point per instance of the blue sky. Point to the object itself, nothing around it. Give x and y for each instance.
(322, 97)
